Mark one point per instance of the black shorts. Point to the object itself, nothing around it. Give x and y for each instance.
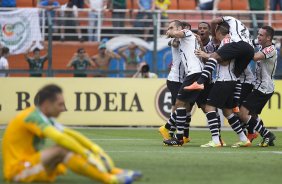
(241, 51)
(189, 96)
(256, 101)
(245, 91)
(221, 94)
(173, 87)
(202, 99)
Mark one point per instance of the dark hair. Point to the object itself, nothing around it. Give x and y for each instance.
(5, 50)
(209, 26)
(223, 28)
(145, 68)
(186, 24)
(48, 92)
(79, 50)
(269, 31)
(177, 23)
(36, 49)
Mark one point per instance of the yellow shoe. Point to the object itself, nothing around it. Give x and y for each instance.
(164, 132)
(186, 140)
(211, 144)
(242, 144)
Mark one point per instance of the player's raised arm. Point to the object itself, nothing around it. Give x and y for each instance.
(175, 30)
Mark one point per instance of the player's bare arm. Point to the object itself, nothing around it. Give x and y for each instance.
(259, 56)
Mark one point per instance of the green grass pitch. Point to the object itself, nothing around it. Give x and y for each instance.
(142, 149)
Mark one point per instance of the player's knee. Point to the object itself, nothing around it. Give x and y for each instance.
(179, 103)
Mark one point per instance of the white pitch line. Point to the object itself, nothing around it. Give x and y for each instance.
(193, 152)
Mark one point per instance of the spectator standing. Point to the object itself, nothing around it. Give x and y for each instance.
(144, 71)
(36, 63)
(258, 5)
(143, 18)
(208, 4)
(8, 3)
(4, 65)
(163, 6)
(78, 3)
(132, 55)
(49, 6)
(274, 3)
(80, 62)
(103, 58)
(96, 7)
(70, 11)
(118, 5)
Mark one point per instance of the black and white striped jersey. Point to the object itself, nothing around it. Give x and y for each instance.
(247, 76)
(210, 47)
(226, 73)
(265, 70)
(238, 31)
(188, 45)
(177, 73)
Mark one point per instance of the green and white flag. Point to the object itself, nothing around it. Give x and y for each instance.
(19, 28)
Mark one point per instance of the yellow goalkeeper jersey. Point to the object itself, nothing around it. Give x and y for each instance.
(23, 137)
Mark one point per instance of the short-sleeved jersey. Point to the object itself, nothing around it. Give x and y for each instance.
(80, 65)
(177, 73)
(210, 47)
(265, 70)
(247, 76)
(226, 73)
(188, 45)
(238, 31)
(36, 64)
(23, 137)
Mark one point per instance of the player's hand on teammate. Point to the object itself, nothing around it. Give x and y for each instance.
(202, 54)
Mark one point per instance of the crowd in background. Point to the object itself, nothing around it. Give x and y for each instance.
(132, 54)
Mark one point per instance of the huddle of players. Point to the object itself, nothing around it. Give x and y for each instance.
(230, 51)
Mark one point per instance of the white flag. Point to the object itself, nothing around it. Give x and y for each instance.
(19, 28)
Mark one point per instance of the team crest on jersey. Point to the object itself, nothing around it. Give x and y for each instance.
(268, 50)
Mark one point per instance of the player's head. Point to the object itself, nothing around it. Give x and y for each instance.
(204, 30)
(50, 100)
(36, 53)
(102, 48)
(265, 35)
(222, 29)
(5, 51)
(186, 25)
(175, 25)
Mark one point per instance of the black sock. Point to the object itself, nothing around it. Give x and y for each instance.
(235, 123)
(180, 121)
(187, 124)
(171, 121)
(261, 129)
(237, 94)
(251, 125)
(213, 123)
(208, 69)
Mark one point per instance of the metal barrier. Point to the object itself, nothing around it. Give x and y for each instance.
(84, 23)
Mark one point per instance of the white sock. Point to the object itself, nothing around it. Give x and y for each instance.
(243, 137)
(215, 139)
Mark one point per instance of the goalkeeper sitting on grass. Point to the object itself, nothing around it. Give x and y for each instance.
(25, 162)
